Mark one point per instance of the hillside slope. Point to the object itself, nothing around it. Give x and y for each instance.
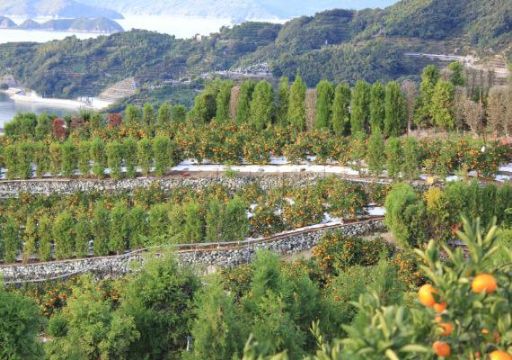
(341, 45)
(55, 8)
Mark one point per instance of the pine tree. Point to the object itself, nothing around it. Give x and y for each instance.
(100, 229)
(164, 116)
(395, 121)
(115, 154)
(30, 239)
(194, 223)
(45, 238)
(297, 105)
(394, 157)
(283, 100)
(11, 240)
(360, 106)
(324, 104)
(84, 158)
(145, 155)
(442, 105)
(98, 157)
(162, 150)
(69, 158)
(118, 230)
(158, 221)
(243, 112)
(262, 105)
(223, 98)
(375, 156)
(429, 79)
(62, 231)
(377, 108)
(130, 156)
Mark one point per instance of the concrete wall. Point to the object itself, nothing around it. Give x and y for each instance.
(113, 266)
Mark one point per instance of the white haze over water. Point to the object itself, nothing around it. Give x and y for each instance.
(180, 26)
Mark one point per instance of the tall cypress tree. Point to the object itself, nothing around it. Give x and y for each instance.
(98, 156)
(324, 104)
(297, 104)
(442, 105)
(243, 112)
(283, 100)
(262, 105)
(118, 230)
(377, 111)
(11, 239)
(429, 79)
(115, 154)
(395, 121)
(132, 116)
(341, 110)
(223, 98)
(130, 156)
(145, 155)
(45, 238)
(360, 118)
(148, 116)
(100, 229)
(62, 232)
(164, 116)
(375, 155)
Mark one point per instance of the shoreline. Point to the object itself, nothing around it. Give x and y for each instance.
(19, 95)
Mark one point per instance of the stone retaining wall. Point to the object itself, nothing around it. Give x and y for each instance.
(114, 266)
(57, 186)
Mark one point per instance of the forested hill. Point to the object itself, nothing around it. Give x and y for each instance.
(337, 44)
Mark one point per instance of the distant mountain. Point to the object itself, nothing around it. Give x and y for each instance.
(235, 9)
(55, 8)
(339, 45)
(6, 23)
(96, 25)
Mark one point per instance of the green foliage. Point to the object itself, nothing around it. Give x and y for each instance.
(442, 105)
(82, 233)
(100, 226)
(129, 148)
(119, 228)
(44, 232)
(194, 223)
(375, 156)
(163, 152)
(341, 110)
(404, 211)
(69, 158)
(164, 117)
(223, 98)
(377, 106)
(394, 157)
(98, 157)
(11, 240)
(20, 327)
(243, 112)
(360, 107)
(30, 239)
(160, 300)
(395, 121)
(411, 164)
(148, 116)
(457, 73)
(262, 105)
(324, 104)
(63, 235)
(115, 152)
(84, 151)
(145, 155)
(296, 105)
(283, 101)
(429, 79)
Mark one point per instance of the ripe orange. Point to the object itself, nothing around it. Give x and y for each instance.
(426, 295)
(439, 308)
(484, 282)
(441, 349)
(447, 327)
(500, 355)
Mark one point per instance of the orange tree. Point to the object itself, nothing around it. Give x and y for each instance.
(462, 312)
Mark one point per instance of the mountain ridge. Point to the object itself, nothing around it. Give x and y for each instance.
(54, 8)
